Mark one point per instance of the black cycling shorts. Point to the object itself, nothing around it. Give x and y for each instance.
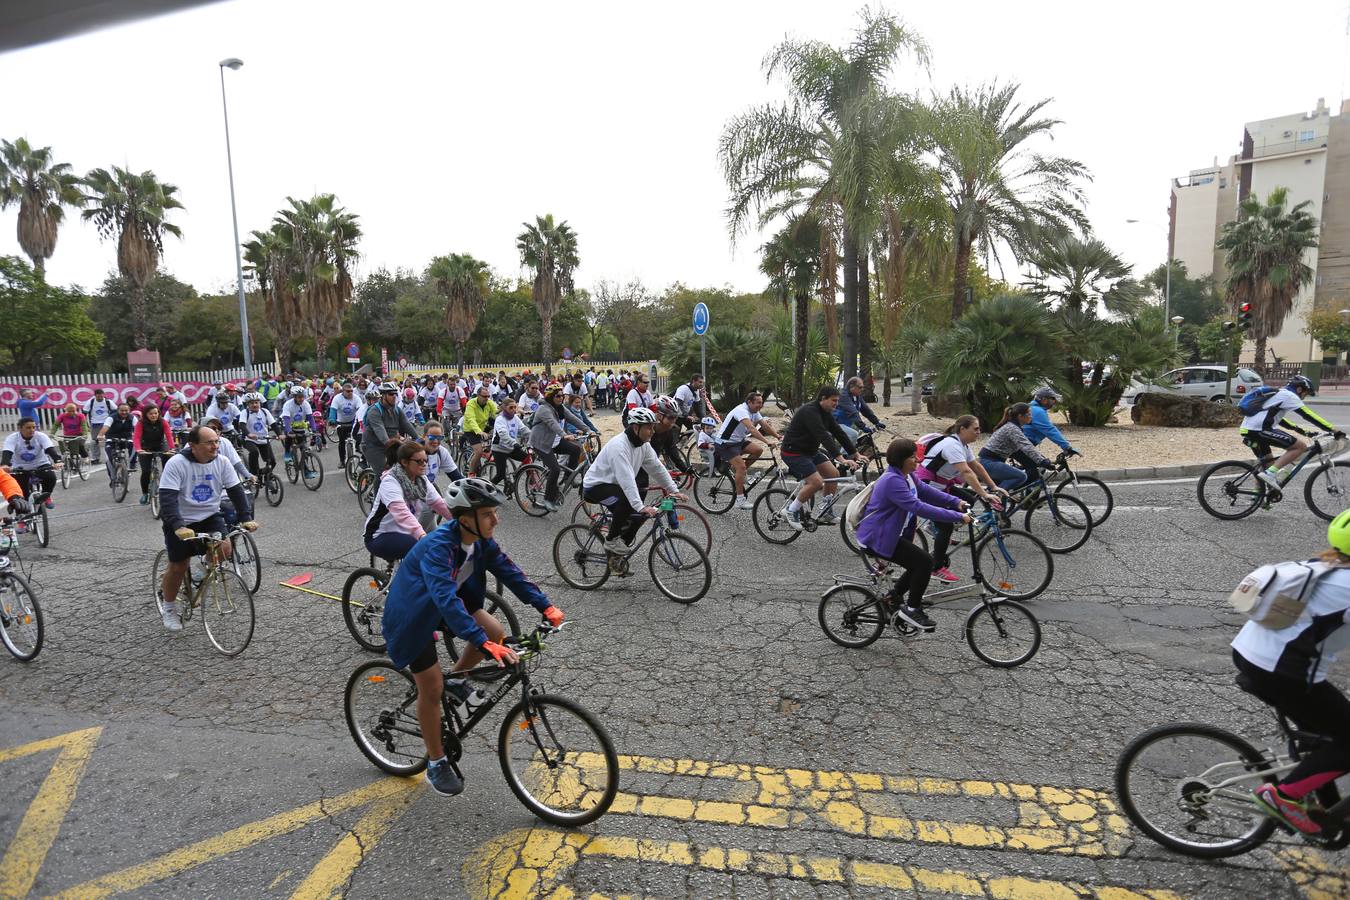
(180, 550)
(1260, 442)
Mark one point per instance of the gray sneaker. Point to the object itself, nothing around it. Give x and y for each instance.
(172, 621)
(549, 505)
(828, 519)
(794, 519)
(443, 779)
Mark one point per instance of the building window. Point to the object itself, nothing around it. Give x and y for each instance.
(1305, 136)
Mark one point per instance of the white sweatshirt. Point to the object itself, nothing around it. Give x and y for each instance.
(618, 463)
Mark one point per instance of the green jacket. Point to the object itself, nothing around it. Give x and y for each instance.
(477, 416)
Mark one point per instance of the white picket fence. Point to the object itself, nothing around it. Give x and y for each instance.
(515, 368)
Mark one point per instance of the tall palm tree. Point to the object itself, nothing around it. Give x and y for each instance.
(320, 238)
(1000, 191)
(266, 259)
(1266, 263)
(550, 249)
(134, 208)
(42, 189)
(463, 282)
(791, 262)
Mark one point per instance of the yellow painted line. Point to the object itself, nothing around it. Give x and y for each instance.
(1313, 876)
(37, 831)
(331, 874)
(204, 851)
(530, 862)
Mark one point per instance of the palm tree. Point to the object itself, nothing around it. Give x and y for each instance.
(266, 259)
(791, 262)
(132, 207)
(1000, 192)
(550, 249)
(42, 189)
(1266, 263)
(320, 240)
(463, 282)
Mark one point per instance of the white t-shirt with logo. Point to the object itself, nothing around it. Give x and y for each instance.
(438, 462)
(199, 485)
(292, 412)
(257, 425)
(506, 432)
(733, 430)
(951, 450)
(30, 453)
(99, 411)
(346, 407)
(227, 416)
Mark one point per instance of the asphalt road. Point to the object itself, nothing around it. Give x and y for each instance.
(760, 760)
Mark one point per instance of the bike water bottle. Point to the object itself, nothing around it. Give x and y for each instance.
(667, 506)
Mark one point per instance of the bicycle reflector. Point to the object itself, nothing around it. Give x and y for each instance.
(1245, 316)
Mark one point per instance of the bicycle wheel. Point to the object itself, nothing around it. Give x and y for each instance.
(1063, 524)
(41, 526)
(380, 705)
(65, 474)
(530, 485)
(350, 471)
(157, 580)
(716, 494)
(227, 611)
(311, 466)
(1327, 490)
(579, 556)
(1165, 780)
(20, 617)
(1230, 490)
(1003, 633)
(273, 489)
(246, 560)
(363, 607)
(500, 610)
(1092, 492)
(154, 495)
(585, 513)
(119, 483)
(851, 616)
(1013, 564)
(365, 493)
(695, 524)
(770, 517)
(292, 470)
(558, 760)
(679, 567)
(81, 469)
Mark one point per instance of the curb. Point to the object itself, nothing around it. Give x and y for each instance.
(1141, 473)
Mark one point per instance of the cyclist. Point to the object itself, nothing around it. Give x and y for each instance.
(1260, 432)
(452, 402)
(438, 457)
(411, 408)
(443, 579)
(547, 440)
(227, 450)
(342, 413)
(852, 409)
(576, 403)
(529, 398)
(1040, 427)
(665, 440)
(1287, 668)
(259, 426)
(296, 417)
(98, 411)
(812, 427)
(152, 437)
(509, 434)
(383, 428)
(638, 397)
(690, 395)
(734, 447)
(179, 419)
(949, 461)
(707, 443)
(613, 479)
(190, 491)
(224, 410)
(12, 491)
(121, 427)
(886, 531)
(477, 424)
(404, 493)
(72, 425)
(1009, 443)
(24, 454)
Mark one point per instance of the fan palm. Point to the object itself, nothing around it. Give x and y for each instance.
(463, 282)
(550, 249)
(320, 239)
(1000, 192)
(266, 259)
(792, 264)
(1266, 263)
(42, 189)
(134, 208)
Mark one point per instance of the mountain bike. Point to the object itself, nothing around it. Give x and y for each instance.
(35, 520)
(353, 467)
(770, 515)
(556, 757)
(366, 485)
(1089, 490)
(74, 463)
(677, 564)
(214, 587)
(1061, 521)
(531, 484)
(716, 493)
(156, 463)
(304, 461)
(1189, 787)
(1230, 489)
(682, 517)
(118, 473)
(21, 628)
(273, 490)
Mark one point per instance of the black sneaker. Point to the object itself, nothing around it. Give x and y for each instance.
(443, 779)
(917, 617)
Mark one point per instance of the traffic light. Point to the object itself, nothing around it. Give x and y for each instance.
(1229, 325)
(1245, 317)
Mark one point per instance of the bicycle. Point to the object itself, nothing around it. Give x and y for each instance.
(303, 460)
(555, 756)
(354, 466)
(1199, 800)
(770, 514)
(716, 493)
(1061, 521)
(273, 490)
(1230, 489)
(35, 520)
(156, 463)
(531, 484)
(21, 628)
(580, 557)
(855, 612)
(225, 600)
(118, 471)
(244, 556)
(73, 463)
(1089, 490)
(682, 517)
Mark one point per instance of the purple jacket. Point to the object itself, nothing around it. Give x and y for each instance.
(893, 507)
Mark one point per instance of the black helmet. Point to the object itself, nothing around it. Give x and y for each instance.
(1301, 381)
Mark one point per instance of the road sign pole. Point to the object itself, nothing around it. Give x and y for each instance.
(703, 353)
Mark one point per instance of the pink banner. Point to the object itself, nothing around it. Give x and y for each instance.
(80, 394)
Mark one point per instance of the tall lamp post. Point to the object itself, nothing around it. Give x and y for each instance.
(1167, 291)
(1176, 338)
(233, 63)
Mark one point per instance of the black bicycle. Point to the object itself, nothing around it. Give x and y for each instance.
(21, 628)
(35, 520)
(1061, 521)
(118, 467)
(677, 564)
(556, 757)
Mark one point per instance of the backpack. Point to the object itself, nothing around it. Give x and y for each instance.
(923, 443)
(1254, 400)
(1275, 595)
(856, 510)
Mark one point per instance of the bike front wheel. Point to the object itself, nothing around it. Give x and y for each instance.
(82, 468)
(119, 484)
(41, 526)
(1327, 491)
(679, 567)
(558, 760)
(363, 607)
(1013, 564)
(1003, 633)
(771, 517)
(715, 494)
(65, 474)
(1168, 780)
(580, 558)
(154, 497)
(365, 492)
(1062, 523)
(380, 705)
(1092, 492)
(311, 467)
(227, 611)
(246, 559)
(273, 489)
(530, 486)
(20, 617)
(695, 524)
(851, 616)
(1230, 490)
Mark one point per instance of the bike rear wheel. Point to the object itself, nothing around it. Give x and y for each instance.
(530, 485)
(1230, 490)
(82, 468)
(247, 562)
(273, 489)
(771, 518)
(41, 526)
(716, 494)
(227, 611)
(1092, 492)
(500, 610)
(21, 627)
(1327, 490)
(1164, 780)
(363, 607)
(1062, 523)
(580, 558)
(679, 567)
(1013, 564)
(1003, 633)
(851, 616)
(380, 705)
(558, 760)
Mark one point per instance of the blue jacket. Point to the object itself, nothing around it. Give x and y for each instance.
(424, 593)
(1040, 427)
(893, 507)
(28, 408)
(851, 410)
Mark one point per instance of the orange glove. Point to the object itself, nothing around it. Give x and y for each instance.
(503, 655)
(554, 616)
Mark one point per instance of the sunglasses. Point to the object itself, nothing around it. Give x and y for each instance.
(434, 438)
(420, 460)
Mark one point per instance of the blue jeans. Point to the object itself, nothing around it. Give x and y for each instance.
(1005, 475)
(391, 545)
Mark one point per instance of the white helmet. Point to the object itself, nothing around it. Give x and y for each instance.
(388, 387)
(372, 393)
(641, 416)
(255, 396)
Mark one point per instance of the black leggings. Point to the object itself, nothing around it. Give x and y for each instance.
(343, 432)
(944, 531)
(501, 456)
(46, 474)
(147, 467)
(918, 568)
(623, 523)
(255, 450)
(550, 459)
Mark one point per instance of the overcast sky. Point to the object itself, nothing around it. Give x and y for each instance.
(444, 126)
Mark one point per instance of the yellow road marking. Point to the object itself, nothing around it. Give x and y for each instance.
(332, 873)
(27, 851)
(1314, 877)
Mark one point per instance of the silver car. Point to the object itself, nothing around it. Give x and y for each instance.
(1206, 382)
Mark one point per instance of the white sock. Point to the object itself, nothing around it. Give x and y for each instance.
(794, 506)
(439, 759)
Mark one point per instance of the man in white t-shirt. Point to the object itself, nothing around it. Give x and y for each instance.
(190, 490)
(733, 441)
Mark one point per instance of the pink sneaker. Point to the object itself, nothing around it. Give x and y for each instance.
(947, 575)
(1293, 813)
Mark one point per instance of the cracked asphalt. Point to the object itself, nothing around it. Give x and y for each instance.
(759, 759)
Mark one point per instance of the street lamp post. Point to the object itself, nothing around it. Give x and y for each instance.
(1176, 338)
(233, 63)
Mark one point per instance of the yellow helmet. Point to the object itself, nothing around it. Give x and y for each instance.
(1338, 532)
(553, 390)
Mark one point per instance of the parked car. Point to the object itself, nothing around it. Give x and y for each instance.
(1206, 382)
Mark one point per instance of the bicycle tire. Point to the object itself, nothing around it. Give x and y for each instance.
(576, 545)
(996, 573)
(42, 526)
(1063, 526)
(248, 565)
(154, 495)
(666, 547)
(1093, 493)
(585, 773)
(531, 482)
(366, 621)
(119, 485)
(292, 470)
(65, 474)
(157, 580)
(1261, 827)
(20, 612)
(366, 495)
(311, 467)
(715, 495)
(225, 596)
(860, 620)
(350, 471)
(695, 524)
(1332, 481)
(1003, 616)
(770, 519)
(81, 469)
(1251, 498)
(274, 491)
(499, 609)
(377, 696)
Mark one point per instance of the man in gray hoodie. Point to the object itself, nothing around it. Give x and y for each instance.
(384, 423)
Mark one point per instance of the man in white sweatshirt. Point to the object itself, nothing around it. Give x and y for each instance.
(619, 476)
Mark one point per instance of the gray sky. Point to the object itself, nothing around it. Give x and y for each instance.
(444, 126)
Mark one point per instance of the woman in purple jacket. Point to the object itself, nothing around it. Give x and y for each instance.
(893, 511)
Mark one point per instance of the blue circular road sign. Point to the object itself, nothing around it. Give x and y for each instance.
(701, 318)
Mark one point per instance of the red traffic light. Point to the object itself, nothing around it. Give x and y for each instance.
(1246, 307)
